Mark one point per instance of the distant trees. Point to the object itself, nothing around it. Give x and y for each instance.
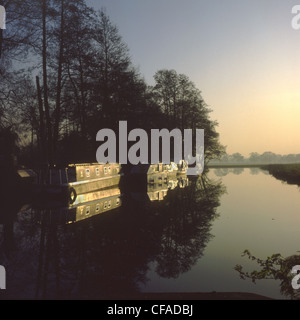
(237, 157)
(256, 158)
(270, 157)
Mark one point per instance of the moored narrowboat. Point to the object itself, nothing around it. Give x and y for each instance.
(68, 182)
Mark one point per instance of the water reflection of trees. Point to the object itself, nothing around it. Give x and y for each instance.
(237, 171)
(109, 255)
(222, 172)
(255, 171)
(186, 231)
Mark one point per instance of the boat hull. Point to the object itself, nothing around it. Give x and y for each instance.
(65, 184)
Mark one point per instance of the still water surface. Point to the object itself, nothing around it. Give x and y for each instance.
(258, 213)
(187, 240)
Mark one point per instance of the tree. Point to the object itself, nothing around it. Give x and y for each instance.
(254, 157)
(78, 66)
(167, 91)
(16, 40)
(274, 267)
(20, 34)
(112, 64)
(184, 107)
(84, 80)
(237, 157)
(64, 40)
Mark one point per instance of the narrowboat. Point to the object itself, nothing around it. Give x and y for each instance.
(76, 179)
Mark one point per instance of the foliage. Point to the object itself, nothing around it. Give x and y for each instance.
(256, 158)
(182, 103)
(274, 267)
(77, 77)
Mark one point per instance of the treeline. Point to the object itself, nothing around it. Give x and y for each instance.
(256, 158)
(66, 73)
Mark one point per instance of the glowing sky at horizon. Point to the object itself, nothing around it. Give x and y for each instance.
(244, 56)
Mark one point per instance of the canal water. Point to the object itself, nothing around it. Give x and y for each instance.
(186, 237)
(257, 213)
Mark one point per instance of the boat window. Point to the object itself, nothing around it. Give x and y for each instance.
(87, 211)
(87, 172)
(97, 171)
(105, 205)
(105, 170)
(97, 207)
(109, 204)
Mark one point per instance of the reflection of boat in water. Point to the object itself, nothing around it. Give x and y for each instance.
(156, 173)
(97, 190)
(86, 206)
(171, 168)
(69, 182)
(182, 167)
(158, 191)
(181, 182)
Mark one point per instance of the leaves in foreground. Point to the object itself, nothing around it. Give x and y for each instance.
(275, 267)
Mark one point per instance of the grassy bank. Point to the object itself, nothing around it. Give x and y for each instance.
(289, 173)
(233, 165)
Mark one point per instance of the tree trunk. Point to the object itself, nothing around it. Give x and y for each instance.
(42, 123)
(59, 80)
(1, 41)
(45, 83)
(83, 103)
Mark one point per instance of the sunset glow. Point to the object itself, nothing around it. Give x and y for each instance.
(243, 56)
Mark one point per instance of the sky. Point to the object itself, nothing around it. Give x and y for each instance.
(243, 55)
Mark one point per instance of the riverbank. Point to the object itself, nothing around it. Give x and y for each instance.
(233, 165)
(289, 173)
(197, 296)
